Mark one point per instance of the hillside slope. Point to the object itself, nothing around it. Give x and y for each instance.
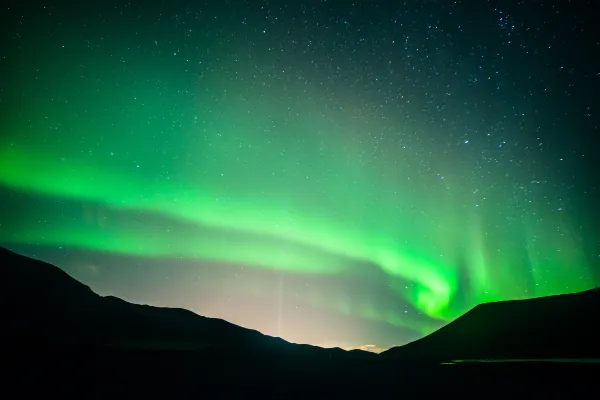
(562, 326)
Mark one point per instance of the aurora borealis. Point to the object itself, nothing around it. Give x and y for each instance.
(335, 173)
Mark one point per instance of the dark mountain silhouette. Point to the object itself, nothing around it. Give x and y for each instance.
(61, 339)
(45, 307)
(561, 326)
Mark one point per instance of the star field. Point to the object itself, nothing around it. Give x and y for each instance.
(334, 173)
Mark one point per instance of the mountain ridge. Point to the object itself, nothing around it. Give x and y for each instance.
(57, 332)
(72, 316)
(541, 327)
(46, 305)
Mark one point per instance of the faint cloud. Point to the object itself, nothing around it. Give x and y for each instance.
(368, 347)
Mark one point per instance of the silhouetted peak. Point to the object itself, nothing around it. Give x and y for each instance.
(559, 326)
(23, 276)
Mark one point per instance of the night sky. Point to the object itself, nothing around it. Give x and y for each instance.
(339, 173)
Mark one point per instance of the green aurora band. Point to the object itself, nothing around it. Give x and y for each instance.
(34, 172)
(293, 198)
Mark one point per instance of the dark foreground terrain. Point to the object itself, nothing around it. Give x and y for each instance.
(186, 374)
(61, 340)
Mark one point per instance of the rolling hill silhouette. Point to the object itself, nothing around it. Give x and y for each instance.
(553, 327)
(56, 330)
(45, 307)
